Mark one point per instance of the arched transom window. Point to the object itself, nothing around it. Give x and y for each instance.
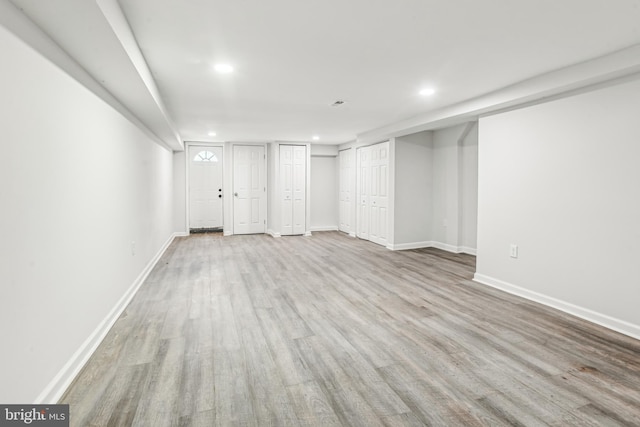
(205, 156)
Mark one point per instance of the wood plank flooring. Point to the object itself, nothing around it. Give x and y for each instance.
(331, 330)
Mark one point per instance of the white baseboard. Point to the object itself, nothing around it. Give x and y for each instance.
(467, 250)
(352, 233)
(445, 247)
(272, 233)
(609, 322)
(432, 244)
(180, 234)
(276, 235)
(324, 228)
(407, 246)
(56, 388)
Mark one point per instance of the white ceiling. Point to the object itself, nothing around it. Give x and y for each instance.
(294, 58)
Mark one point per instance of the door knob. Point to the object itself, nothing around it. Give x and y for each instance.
(235, 194)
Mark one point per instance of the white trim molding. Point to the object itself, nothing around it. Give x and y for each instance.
(63, 379)
(272, 233)
(432, 244)
(467, 250)
(324, 228)
(407, 246)
(445, 247)
(609, 322)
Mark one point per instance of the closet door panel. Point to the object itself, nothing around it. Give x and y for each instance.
(363, 190)
(345, 190)
(286, 186)
(379, 193)
(373, 193)
(299, 183)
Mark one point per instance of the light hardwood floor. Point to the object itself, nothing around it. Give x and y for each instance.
(331, 330)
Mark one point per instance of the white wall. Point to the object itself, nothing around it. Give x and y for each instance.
(445, 185)
(413, 195)
(469, 191)
(455, 187)
(324, 192)
(80, 184)
(179, 193)
(324, 150)
(561, 181)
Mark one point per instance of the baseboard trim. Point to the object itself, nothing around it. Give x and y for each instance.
(273, 233)
(352, 233)
(609, 322)
(445, 247)
(63, 379)
(467, 250)
(324, 228)
(432, 244)
(407, 246)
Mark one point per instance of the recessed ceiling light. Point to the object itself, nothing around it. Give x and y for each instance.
(211, 134)
(427, 92)
(315, 137)
(223, 68)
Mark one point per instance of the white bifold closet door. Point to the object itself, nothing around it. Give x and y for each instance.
(293, 182)
(363, 186)
(346, 178)
(373, 193)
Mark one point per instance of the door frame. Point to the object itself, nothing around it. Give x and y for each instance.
(228, 184)
(187, 160)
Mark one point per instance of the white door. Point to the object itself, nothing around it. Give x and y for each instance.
(379, 197)
(286, 183)
(363, 185)
(249, 189)
(373, 192)
(293, 181)
(299, 188)
(345, 190)
(205, 187)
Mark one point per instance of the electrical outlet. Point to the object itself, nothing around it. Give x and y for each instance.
(513, 251)
(133, 248)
